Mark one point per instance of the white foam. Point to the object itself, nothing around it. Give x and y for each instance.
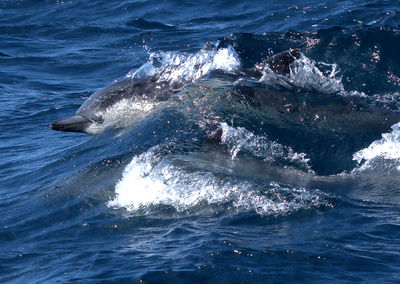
(182, 67)
(144, 71)
(150, 180)
(307, 74)
(388, 148)
(240, 139)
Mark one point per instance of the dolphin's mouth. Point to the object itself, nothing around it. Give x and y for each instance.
(75, 123)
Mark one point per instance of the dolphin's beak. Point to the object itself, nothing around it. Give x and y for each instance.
(76, 123)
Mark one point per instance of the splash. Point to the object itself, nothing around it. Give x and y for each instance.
(240, 139)
(307, 74)
(185, 68)
(144, 71)
(386, 148)
(151, 180)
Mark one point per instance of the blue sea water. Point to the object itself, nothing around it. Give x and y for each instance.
(281, 198)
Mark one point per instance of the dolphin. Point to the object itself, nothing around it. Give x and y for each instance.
(329, 128)
(91, 117)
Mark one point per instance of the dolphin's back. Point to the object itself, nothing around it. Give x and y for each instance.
(102, 99)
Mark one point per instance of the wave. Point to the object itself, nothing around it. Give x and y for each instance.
(152, 180)
(178, 67)
(384, 152)
(239, 53)
(307, 74)
(183, 68)
(240, 139)
(312, 90)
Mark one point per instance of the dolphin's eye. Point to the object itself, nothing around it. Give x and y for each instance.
(97, 119)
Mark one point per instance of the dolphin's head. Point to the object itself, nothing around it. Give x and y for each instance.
(90, 117)
(117, 105)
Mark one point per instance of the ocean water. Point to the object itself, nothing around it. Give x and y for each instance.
(302, 186)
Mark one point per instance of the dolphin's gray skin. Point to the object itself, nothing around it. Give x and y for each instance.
(75, 123)
(92, 110)
(151, 90)
(280, 62)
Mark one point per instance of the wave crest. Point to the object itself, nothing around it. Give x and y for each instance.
(151, 180)
(240, 139)
(387, 149)
(175, 67)
(307, 74)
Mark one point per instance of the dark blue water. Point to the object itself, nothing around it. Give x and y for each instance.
(304, 185)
